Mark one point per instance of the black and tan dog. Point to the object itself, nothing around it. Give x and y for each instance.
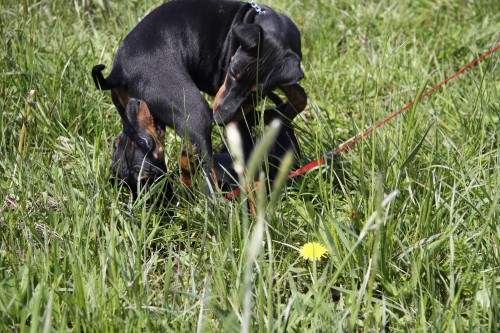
(225, 48)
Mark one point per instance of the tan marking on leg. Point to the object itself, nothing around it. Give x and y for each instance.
(186, 170)
(188, 163)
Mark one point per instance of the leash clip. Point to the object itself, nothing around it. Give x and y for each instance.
(257, 8)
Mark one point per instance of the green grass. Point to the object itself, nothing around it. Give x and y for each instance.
(410, 215)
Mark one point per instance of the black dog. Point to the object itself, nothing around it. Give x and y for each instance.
(225, 48)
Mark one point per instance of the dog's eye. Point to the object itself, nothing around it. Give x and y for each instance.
(233, 74)
(143, 143)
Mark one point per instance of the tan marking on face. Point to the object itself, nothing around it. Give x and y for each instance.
(220, 95)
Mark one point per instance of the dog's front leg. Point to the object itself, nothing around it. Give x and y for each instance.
(198, 141)
(182, 107)
(296, 103)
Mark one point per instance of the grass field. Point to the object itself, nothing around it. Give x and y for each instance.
(410, 216)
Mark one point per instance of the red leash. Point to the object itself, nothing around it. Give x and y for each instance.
(315, 164)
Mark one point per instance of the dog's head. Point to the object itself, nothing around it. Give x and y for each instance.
(139, 155)
(260, 64)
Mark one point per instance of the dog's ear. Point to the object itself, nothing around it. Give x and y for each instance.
(249, 36)
(289, 72)
(139, 116)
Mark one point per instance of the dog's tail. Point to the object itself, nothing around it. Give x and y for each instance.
(100, 82)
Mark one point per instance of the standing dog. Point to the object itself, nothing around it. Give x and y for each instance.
(225, 48)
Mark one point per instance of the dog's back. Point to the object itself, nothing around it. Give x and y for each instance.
(189, 34)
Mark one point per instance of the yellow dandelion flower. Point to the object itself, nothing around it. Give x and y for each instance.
(313, 251)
